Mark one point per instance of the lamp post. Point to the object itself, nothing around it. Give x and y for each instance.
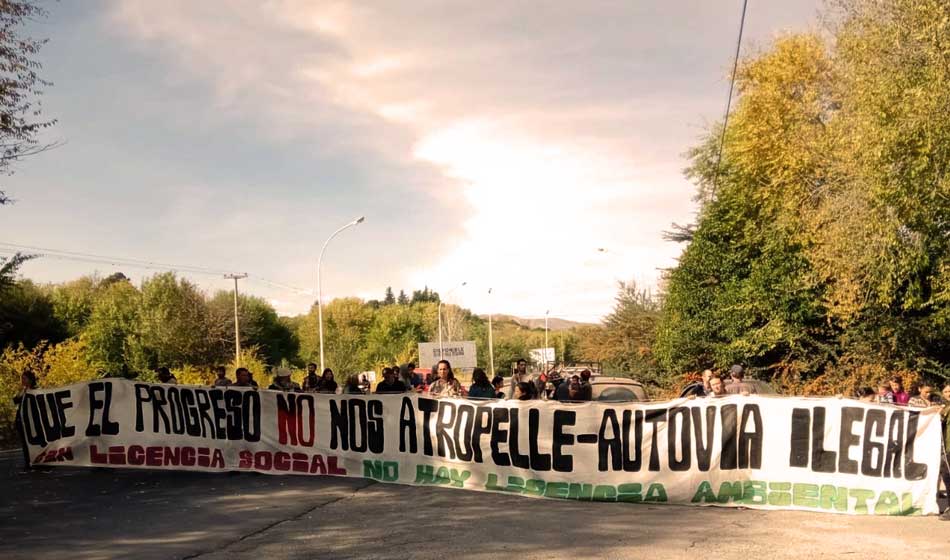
(441, 354)
(319, 286)
(545, 351)
(491, 347)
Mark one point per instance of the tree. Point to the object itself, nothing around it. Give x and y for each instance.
(26, 316)
(260, 327)
(9, 267)
(390, 298)
(624, 344)
(174, 323)
(73, 302)
(20, 86)
(740, 292)
(394, 335)
(403, 299)
(112, 332)
(345, 322)
(424, 295)
(822, 249)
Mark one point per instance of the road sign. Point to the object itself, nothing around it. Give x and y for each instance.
(461, 354)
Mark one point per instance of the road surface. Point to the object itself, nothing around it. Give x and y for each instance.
(87, 514)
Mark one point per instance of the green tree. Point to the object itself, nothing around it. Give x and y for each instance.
(21, 85)
(424, 295)
(823, 237)
(394, 335)
(390, 298)
(345, 323)
(174, 323)
(73, 302)
(111, 333)
(26, 316)
(260, 326)
(403, 299)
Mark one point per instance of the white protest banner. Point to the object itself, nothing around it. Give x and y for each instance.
(831, 455)
(461, 354)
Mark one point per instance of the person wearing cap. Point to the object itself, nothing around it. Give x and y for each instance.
(738, 386)
(283, 382)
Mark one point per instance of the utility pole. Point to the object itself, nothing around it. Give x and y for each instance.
(237, 323)
(545, 351)
(491, 347)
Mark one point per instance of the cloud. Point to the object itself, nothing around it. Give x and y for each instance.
(498, 143)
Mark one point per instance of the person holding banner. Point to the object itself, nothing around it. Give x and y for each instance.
(446, 385)
(27, 383)
(327, 383)
(243, 378)
(523, 391)
(410, 378)
(311, 383)
(884, 394)
(945, 464)
(921, 398)
(352, 386)
(283, 382)
(897, 389)
(481, 388)
(222, 377)
(738, 385)
(716, 387)
(390, 384)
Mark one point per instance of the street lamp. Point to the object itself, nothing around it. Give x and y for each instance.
(441, 355)
(545, 351)
(491, 347)
(320, 287)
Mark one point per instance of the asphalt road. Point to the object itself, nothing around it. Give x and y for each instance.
(86, 513)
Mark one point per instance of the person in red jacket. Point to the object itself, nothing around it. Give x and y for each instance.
(897, 389)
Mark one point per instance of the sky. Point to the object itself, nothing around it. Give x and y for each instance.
(531, 148)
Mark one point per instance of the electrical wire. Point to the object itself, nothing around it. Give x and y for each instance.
(732, 84)
(58, 254)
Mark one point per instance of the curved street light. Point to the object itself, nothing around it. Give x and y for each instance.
(320, 287)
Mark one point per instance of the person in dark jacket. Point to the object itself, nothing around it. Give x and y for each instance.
(390, 384)
(481, 388)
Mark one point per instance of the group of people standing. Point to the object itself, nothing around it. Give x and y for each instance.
(712, 385)
(243, 377)
(892, 391)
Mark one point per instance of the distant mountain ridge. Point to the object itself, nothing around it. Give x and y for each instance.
(554, 324)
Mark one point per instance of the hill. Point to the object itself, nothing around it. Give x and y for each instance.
(554, 324)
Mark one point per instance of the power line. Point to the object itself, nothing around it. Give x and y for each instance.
(112, 259)
(58, 254)
(732, 84)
